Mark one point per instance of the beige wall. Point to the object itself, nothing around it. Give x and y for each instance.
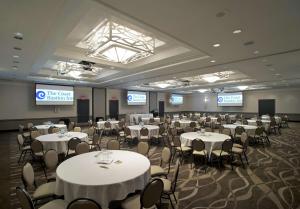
(99, 102)
(287, 101)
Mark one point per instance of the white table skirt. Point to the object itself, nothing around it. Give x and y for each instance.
(81, 176)
(266, 123)
(212, 119)
(136, 116)
(135, 130)
(43, 129)
(60, 143)
(114, 124)
(183, 123)
(250, 129)
(212, 140)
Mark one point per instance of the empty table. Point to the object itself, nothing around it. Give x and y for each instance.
(114, 124)
(135, 130)
(43, 129)
(84, 176)
(250, 129)
(58, 141)
(212, 140)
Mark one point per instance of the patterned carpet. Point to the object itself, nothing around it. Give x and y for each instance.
(272, 180)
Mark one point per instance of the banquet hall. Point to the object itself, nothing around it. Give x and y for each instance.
(149, 104)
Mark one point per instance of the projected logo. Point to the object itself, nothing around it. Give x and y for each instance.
(220, 99)
(40, 94)
(129, 98)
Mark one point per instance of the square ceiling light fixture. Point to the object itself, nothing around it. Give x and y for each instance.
(118, 43)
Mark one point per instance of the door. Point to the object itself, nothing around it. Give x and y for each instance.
(83, 110)
(161, 107)
(266, 107)
(114, 109)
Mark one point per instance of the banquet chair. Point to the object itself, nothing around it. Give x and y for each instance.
(217, 124)
(261, 136)
(242, 149)
(198, 147)
(178, 127)
(83, 203)
(22, 147)
(95, 143)
(50, 129)
(170, 185)
(180, 148)
(226, 131)
(43, 191)
(113, 145)
(284, 121)
(161, 134)
(29, 126)
(77, 129)
(165, 160)
(55, 130)
(151, 121)
(34, 134)
(188, 129)
(82, 147)
(71, 126)
(149, 197)
(72, 143)
(26, 201)
(193, 125)
(37, 151)
(208, 122)
(259, 123)
(238, 132)
(107, 128)
(21, 131)
(128, 137)
(120, 130)
(51, 162)
(144, 134)
(274, 127)
(91, 132)
(143, 148)
(225, 151)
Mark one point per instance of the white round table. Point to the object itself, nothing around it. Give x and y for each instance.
(114, 124)
(266, 123)
(59, 142)
(212, 119)
(250, 129)
(81, 176)
(145, 120)
(43, 129)
(135, 130)
(212, 140)
(183, 123)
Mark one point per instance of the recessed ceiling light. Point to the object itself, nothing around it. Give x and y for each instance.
(277, 74)
(15, 67)
(212, 61)
(211, 79)
(16, 56)
(242, 87)
(163, 85)
(216, 45)
(247, 43)
(18, 36)
(256, 52)
(220, 14)
(202, 90)
(237, 31)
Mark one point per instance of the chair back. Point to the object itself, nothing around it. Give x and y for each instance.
(127, 131)
(259, 131)
(208, 129)
(36, 146)
(20, 140)
(244, 137)
(208, 119)
(77, 129)
(71, 126)
(227, 145)
(152, 193)
(84, 203)
(28, 175)
(107, 124)
(239, 130)
(162, 130)
(24, 198)
(177, 124)
(166, 155)
(51, 159)
(50, 129)
(143, 148)
(259, 123)
(198, 145)
(73, 143)
(188, 129)
(144, 131)
(176, 141)
(29, 125)
(55, 130)
(151, 120)
(113, 144)
(121, 125)
(82, 147)
(91, 131)
(193, 124)
(34, 134)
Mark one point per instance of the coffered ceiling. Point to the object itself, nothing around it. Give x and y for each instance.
(257, 40)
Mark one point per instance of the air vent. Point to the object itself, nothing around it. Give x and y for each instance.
(86, 65)
(249, 43)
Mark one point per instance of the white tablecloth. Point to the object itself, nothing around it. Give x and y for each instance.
(183, 123)
(114, 124)
(58, 142)
(266, 123)
(267, 117)
(250, 129)
(157, 120)
(136, 116)
(212, 140)
(81, 176)
(135, 130)
(43, 129)
(212, 119)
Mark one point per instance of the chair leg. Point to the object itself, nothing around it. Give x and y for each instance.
(241, 160)
(20, 157)
(246, 158)
(174, 197)
(171, 201)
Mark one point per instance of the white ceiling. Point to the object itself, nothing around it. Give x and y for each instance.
(52, 28)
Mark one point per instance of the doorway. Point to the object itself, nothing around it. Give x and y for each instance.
(83, 110)
(114, 109)
(161, 108)
(266, 107)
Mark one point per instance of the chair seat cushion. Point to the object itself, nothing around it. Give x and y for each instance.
(237, 150)
(184, 148)
(219, 153)
(157, 170)
(167, 185)
(132, 202)
(238, 145)
(202, 152)
(44, 190)
(26, 148)
(55, 204)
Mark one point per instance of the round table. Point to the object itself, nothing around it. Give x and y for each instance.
(250, 129)
(114, 124)
(135, 130)
(212, 119)
(266, 123)
(43, 129)
(212, 140)
(59, 142)
(145, 120)
(82, 176)
(183, 123)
